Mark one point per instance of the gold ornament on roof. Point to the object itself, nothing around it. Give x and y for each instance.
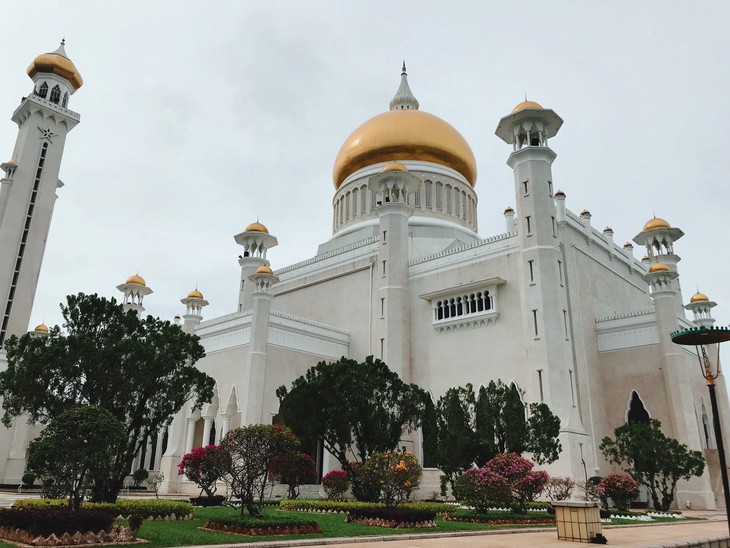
(257, 227)
(394, 166)
(41, 328)
(699, 297)
(57, 63)
(658, 267)
(525, 105)
(263, 269)
(655, 223)
(136, 279)
(195, 294)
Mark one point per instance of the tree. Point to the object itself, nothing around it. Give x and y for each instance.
(140, 370)
(75, 443)
(356, 408)
(526, 484)
(202, 466)
(248, 454)
(457, 444)
(294, 468)
(397, 473)
(653, 459)
(501, 425)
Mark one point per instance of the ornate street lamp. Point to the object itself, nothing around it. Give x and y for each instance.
(700, 337)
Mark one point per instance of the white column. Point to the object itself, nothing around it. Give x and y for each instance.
(190, 435)
(225, 426)
(206, 431)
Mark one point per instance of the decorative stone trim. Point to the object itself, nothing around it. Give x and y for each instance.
(380, 522)
(117, 535)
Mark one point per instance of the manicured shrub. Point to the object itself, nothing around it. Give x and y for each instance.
(139, 476)
(622, 488)
(525, 483)
(294, 469)
(483, 488)
(28, 478)
(335, 484)
(56, 521)
(332, 506)
(215, 500)
(389, 516)
(268, 525)
(397, 473)
(149, 508)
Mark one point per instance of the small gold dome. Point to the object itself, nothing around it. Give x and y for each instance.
(645, 258)
(509, 209)
(41, 328)
(699, 297)
(656, 222)
(57, 64)
(195, 294)
(585, 212)
(136, 279)
(560, 193)
(394, 166)
(658, 267)
(408, 134)
(628, 244)
(263, 269)
(608, 229)
(13, 161)
(524, 105)
(257, 227)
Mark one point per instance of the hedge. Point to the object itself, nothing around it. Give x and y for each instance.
(148, 508)
(394, 516)
(212, 500)
(270, 525)
(332, 506)
(50, 520)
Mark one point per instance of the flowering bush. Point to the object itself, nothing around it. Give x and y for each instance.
(335, 484)
(294, 469)
(397, 473)
(525, 483)
(483, 488)
(559, 488)
(202, 466)
(622, 489)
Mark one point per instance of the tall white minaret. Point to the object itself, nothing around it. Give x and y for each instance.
(543, 295)
(256, 241)
(194, 304)
(28, 189)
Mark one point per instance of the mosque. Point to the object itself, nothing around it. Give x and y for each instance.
(552, 304)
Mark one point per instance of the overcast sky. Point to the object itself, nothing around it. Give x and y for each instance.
(197, 119)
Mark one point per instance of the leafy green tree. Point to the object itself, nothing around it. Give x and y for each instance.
(653, 459)
(501, 425)
(247, 456)
(139, 369)
(457, 443)
(75, 443)
(355, 408)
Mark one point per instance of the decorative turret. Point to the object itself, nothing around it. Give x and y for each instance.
(41, 330)
(194, 304)
(135, 290)
(256, 241)
(394, 183)
(658, 236)
(528, 125)
(700, 305)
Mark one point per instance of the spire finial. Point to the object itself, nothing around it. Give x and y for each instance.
(63, 41)
(525, 97)
(404, 99)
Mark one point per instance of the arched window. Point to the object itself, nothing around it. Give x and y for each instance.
(427, 186)
(637, 412)
(448, 198)
(55, 94)
(439, 196)
(65, 100)
(354, 202)
(43, 90)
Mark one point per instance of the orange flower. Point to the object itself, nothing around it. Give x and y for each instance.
(401, 466)
(408, 484)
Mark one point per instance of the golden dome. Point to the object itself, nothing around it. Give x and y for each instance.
(585, 212)
(195, 294)
(13, 161)
(41, 328)
(608, 229)
(658, 267)
(409, 134)
(57, 63)
(628, 244)
(560, 193)
(257, 227)
(656, 222)
(394, 166)
(136, 279)
(509, 209)
(263, 269)
(532, 105)
(699, 297)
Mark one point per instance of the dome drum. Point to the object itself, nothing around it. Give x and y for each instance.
(443, 196)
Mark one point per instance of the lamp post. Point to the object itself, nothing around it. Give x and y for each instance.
(699, 337)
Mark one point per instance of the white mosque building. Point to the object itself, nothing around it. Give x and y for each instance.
(551, 304)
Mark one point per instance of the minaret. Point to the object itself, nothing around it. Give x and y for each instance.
(135, 290)
(700, 306)
(194, 304)
(392, 322)
(254, 375)
(658, 236)
(542, 290)
(28, 189)
(256, 241)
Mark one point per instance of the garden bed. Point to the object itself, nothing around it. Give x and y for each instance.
(270, 525)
